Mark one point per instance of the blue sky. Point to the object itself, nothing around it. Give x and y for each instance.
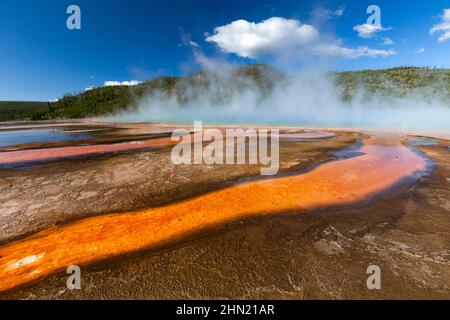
(40, 59)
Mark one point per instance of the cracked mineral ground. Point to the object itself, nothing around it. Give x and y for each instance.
(111, 200)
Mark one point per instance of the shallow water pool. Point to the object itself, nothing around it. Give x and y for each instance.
(15, 137)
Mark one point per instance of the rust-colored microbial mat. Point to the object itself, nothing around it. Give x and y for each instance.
(23, 156)
(335, 183)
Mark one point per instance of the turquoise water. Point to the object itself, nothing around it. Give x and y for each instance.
(14, 137)
(422, 141)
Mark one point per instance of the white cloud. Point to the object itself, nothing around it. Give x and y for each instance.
(339, 12)
(387, 41)
(443, 28)
(279, 36)
(420, 51)
(187, 41)
(194, 44)
(367, 31)
(328, 13)
(352, 53)
(121, 83)
(115, 83)
(253, 40)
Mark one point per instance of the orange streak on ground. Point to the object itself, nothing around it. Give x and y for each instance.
(22, 156)
(335, 183)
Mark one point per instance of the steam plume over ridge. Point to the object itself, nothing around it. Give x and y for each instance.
(404, 98)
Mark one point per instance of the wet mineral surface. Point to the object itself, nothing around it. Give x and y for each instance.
(322, 252)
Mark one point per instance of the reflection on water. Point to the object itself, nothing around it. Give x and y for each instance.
(349, 152)
(15, 137)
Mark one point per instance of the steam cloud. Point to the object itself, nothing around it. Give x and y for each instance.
(309, 98)
(306, 99)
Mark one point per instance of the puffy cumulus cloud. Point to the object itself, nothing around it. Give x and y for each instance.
(115, 83)
(121, 83)
(278, 37)
(253, 40)
(338, 50)
(442, 28)
(367, 31)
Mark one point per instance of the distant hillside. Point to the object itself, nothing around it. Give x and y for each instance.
(14, 110)
(107, 100)
(397, 82)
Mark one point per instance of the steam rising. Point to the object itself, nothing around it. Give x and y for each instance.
(262, 95)
(307, 99)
